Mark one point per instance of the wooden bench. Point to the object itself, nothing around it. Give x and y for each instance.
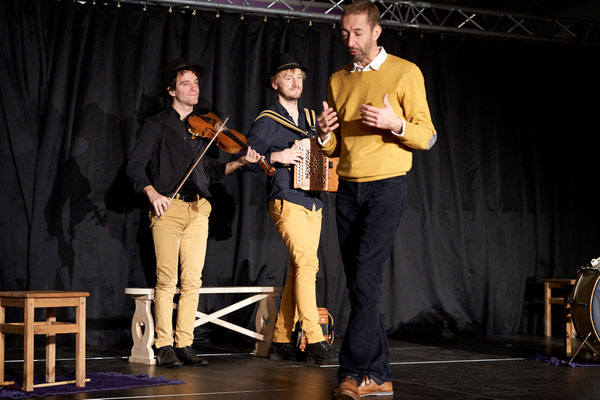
(142, 352)
(50, 300)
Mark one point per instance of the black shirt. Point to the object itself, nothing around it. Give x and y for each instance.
(165, 152)
(267, 136)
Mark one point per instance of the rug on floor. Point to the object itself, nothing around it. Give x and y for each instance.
(99, 381)
(559, 362)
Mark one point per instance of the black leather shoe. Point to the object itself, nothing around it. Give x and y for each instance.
(188, 356)
(167, 358)
(283, 351)
(320, 352)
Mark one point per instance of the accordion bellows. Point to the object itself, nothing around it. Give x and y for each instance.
(316, 171)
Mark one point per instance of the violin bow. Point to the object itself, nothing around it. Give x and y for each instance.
(189, 172)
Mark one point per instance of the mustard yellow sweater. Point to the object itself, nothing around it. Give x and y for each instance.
(366, 153)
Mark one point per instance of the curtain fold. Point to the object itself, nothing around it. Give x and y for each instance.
(503, 200)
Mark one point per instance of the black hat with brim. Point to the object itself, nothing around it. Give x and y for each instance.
(282, 62)
(176, 66)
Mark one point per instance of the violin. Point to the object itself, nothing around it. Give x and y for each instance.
(231, 141)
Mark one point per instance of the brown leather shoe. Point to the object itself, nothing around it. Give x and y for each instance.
(369, 387)
(348, 389)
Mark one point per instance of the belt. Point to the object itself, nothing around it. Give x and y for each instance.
(188, 198)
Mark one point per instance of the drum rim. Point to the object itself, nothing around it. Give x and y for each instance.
(581, 273)
(592, 305)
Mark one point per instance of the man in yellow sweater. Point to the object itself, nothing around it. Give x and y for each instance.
(375, 116)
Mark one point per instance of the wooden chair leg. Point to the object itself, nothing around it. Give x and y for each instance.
(568, 329)
(547, 311)
(28, 327)
(2, 343)
(51, 347)
(80, 344)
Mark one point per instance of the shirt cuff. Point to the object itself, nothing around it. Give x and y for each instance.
(323, 142)
(401, 133)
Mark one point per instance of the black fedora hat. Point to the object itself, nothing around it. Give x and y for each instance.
(282, 62)
(174, 67)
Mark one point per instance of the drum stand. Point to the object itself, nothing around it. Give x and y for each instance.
(579, 348)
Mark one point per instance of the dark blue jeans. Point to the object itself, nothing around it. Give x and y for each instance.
(368, 215)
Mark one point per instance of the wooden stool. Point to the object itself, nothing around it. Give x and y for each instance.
(565, 285)
(50, 300)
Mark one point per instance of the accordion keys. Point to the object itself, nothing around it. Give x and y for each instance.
(315, 171)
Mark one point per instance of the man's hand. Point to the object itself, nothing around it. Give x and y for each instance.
(159, 202)
(382, 118)
(327, 122)
(291, 156)
(250, 157)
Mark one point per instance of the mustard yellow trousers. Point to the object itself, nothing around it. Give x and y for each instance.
(300, 229)
(179, 241)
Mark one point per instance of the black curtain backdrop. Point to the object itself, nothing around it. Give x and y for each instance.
(504, 199)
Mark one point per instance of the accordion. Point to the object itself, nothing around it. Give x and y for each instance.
(316, 171)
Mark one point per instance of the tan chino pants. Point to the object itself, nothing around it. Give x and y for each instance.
(300, 229)
(179, 240)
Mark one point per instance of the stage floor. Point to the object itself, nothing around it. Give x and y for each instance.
(448, 368)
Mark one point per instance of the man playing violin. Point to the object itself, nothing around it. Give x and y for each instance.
(157, 165)
(297, 213)
(378, 102)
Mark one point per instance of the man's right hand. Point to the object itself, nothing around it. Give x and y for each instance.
(159, 202)
(291, 156)
(327, 121)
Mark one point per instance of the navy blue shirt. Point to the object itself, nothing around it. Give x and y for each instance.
(267, 136)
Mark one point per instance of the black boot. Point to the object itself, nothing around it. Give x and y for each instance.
(188, 356)
(166, 357)
(320, 352)
(283, 351)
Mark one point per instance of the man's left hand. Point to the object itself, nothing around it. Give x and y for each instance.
(382, 118)
(250, 157)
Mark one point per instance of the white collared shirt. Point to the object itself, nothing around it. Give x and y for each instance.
(375, 63)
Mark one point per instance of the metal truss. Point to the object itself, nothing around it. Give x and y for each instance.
(406, 15)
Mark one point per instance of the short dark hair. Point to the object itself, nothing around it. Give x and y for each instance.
(172, 85)
(363, 6)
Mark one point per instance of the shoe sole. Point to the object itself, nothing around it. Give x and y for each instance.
(277, 357)
(377, 394)
(174, 365)
(196, 365)
(345, 396)
(311, 360)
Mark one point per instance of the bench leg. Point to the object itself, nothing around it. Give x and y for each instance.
(50, 347)
(141, 351)
(265, 325)
(80, 344)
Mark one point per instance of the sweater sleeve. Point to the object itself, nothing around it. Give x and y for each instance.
(331, 147)
(419, 132)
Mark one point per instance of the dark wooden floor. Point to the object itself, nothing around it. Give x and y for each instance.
(447, 368)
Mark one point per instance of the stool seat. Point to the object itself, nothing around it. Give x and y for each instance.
(50, 300)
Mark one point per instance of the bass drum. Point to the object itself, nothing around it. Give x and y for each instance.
(585, 304)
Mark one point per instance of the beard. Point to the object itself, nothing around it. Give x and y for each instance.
(290, 96)
(359, 56)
